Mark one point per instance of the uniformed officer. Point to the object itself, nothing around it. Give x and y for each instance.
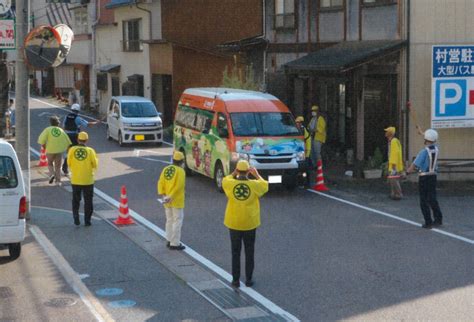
(242, 216)
(56, 142)
(83, 162)
(426, 163)
(171, 186)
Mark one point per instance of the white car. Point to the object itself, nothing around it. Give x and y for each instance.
(12, 200)
(133, 119)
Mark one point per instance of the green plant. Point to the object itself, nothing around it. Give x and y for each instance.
(241, 78)
(168, 131)
(375, 161)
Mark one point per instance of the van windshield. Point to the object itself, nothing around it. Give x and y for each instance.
(139, 109)
(263, 124)
(8, 177)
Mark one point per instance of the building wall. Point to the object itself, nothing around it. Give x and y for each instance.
(437, 22)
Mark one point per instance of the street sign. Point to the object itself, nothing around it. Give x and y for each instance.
(452, 86)
(7, 34)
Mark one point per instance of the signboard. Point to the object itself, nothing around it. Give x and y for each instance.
(7, 34)
(452, 86)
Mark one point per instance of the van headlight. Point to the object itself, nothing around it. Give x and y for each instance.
(239, 156)
(300, 156)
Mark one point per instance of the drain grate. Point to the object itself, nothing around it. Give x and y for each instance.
(226, 298)
(6, 292)
(61, 302)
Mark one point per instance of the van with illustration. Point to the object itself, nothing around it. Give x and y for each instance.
(133, 119)
(12, 200)
(215, 127)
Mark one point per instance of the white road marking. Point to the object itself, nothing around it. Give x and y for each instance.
(149, 159)
(71, 277)
(137, 152)
(64, 109)
(410, 222)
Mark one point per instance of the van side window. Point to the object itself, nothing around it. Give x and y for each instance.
(204, 121)
(186, 117)
(222, 128)
(8, 176)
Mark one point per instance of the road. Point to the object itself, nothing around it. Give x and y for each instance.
(317, 258)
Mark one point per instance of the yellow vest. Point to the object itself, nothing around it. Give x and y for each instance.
(395, 155)
(320, 130)
(307, 143)
(243, 207)
(171, 183)
(82, 161)
(55, 139)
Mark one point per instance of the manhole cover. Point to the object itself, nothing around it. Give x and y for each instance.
(6, 292)
(61, 302)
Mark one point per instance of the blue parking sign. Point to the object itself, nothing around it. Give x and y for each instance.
(450, 98)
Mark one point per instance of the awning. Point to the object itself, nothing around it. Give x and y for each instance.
(118, 3)
(243, 44)
(112, 68)
(344, 56)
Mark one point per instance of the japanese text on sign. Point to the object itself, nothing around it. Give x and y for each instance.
(7, 34)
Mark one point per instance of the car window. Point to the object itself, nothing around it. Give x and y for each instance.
(8, 175)
(139, 109)
(222, 126)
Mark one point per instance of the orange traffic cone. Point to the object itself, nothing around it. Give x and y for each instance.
(319, 186)
(43, 162)
(124, 217)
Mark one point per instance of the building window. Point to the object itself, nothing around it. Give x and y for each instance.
(132, 35)
(81, 25)
(369, 3)
(284, 14)
(332, 4)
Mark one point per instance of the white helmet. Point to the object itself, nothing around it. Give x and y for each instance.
(76, 107)
(431, 135)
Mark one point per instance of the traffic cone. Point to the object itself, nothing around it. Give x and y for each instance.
(319, 186)
(43, 162)
(124, 217)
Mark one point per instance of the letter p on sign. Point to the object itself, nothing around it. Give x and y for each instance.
(450, 98)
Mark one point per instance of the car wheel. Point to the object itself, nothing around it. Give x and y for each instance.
(219, 176)
(108, 134)
(15, 250)
(120, 139)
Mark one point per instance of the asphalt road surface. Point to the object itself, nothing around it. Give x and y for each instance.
(317, 258)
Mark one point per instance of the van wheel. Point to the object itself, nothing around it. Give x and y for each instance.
(219, 176)
(120, 139)
(108, 134)
(15, 250)
(187, 169)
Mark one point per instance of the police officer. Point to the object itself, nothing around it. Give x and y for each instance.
(426, 163)
(242, 215)
(171, 187)
(83, 163)
(72, 125)
(56, 142)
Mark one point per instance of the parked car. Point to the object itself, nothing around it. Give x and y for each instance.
(215, 127)
(132, 119)
(12, 200)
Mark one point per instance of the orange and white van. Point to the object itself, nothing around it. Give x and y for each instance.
(215, 127)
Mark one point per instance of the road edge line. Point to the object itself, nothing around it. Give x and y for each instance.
(70, 276)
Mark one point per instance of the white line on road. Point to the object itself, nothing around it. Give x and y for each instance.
(64, 109)
(439, 231)
(71, 276)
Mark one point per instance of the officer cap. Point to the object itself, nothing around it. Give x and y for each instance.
(83, 136)
(390, 129)
(243, 165)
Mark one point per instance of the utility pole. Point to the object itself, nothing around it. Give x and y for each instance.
(22, 145)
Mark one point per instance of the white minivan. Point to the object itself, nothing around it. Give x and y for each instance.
(12, 200)
(132, 119)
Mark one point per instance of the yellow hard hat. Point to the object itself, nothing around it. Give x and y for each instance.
(83, 136)
(243, 165)
(299, 119)
(390, 129)
(178, 156)
(315, 108)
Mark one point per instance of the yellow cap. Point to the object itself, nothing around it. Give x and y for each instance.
(83, 136)
(299, 119)
(315, 108)
(390, 129)
(178, 156)
(243, 165)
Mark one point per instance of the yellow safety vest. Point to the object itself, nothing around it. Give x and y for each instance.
(395, 155)
(171, 183)
(307, 143)
(243, 207)
(55, 139)
(320, 130)
(83, 162)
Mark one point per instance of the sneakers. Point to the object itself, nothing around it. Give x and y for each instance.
(77, 222)
(249, 283)
(236, 283)
(51, 179)
(437, 224)
(179, 247)
(427, 226)
(87, 224)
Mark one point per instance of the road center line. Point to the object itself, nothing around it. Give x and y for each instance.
(410, 222)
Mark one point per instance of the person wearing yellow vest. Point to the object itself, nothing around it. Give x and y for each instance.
(395, 163)
(83, 162)
(317, 129)
(171, 186)
(242, 216)
(307, 144)
(55, 142)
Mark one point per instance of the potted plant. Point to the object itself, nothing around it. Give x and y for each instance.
(373, 169)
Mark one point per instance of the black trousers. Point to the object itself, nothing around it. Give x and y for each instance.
(248, 238)
(73, 138)
(77, 192)
(428, 199)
